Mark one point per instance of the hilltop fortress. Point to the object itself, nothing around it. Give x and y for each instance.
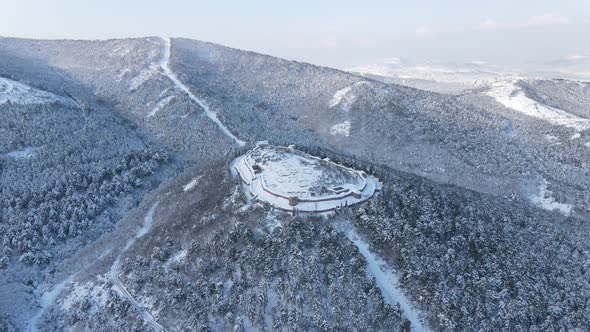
(291, 180)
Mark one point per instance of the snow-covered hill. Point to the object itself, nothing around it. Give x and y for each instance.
(483, 211)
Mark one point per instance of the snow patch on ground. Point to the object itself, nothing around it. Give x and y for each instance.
(18, 93)
(344, 98)
(337, 98)
(161, 104)
(342, 129)
(96, 292)
(545, 200)
(143, 77)
(551, 138)
(511, 96)
(387, 280)
(122, 74)
(272, 222)
(575, 136)
(164, 65)
(191, 184)
(587, 144)
(179, 257)
(120, 52)
(26, 153)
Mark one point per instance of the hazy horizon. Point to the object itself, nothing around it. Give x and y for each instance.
(337, 34)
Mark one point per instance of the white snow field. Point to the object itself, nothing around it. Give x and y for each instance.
(164, 64)
(345, 97)
(18, 93)
(511, 96)
(337, 98)
(387, 280)
(290, 180)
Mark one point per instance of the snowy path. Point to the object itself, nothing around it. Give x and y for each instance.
(387, 280)
(164, 64)
(46, 300)
(49, 297)
(116, 270)
(84, 112)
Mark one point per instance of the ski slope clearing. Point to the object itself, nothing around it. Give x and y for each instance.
(511, 96)
(161, 104)
(142, 77)
(387, 280)
(191, 184)
(291, 180)
(165, 65)
(18, 93)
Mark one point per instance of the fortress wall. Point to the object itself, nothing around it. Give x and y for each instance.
(301, 207)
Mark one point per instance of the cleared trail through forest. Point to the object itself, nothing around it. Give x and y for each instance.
(387, 279)
(164, 63)
(116, 270)
(47, 298)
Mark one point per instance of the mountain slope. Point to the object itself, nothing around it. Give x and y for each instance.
(97, 133)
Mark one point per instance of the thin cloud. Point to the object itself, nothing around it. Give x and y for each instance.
(490, 24)
(578, 57)
(392, 61)
(424, 30)
(533, 21)
(548, 19)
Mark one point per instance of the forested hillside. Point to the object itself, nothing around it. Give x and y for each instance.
(119, 210)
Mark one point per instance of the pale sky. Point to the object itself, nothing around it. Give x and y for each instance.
(334, 33)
